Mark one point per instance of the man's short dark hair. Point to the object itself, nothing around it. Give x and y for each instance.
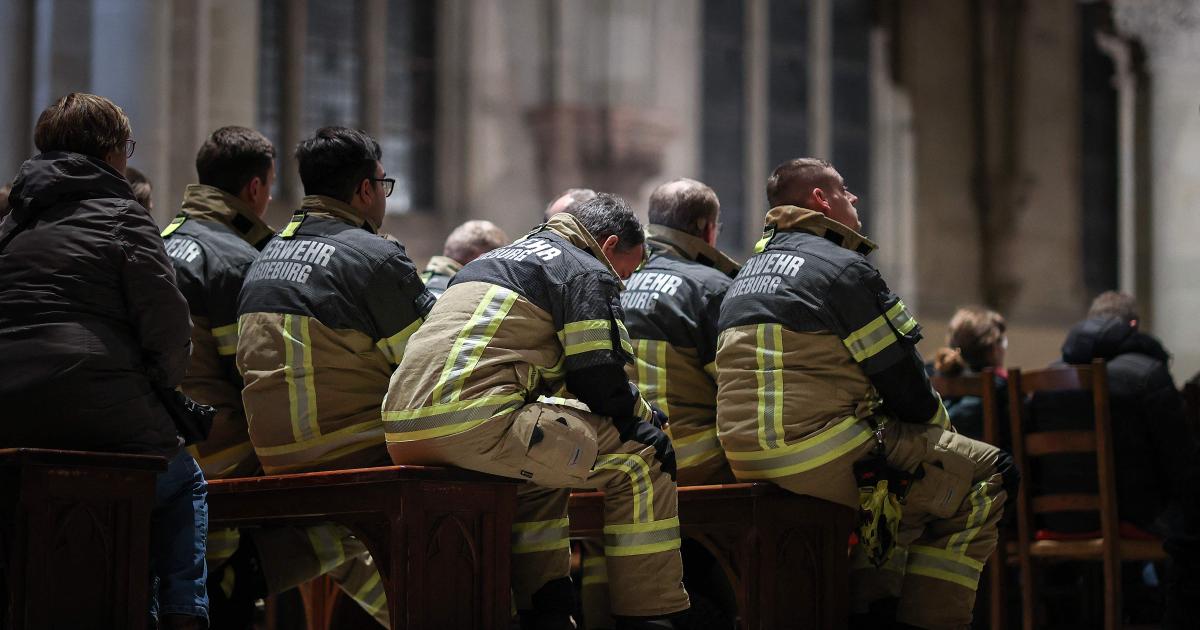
(142, 188)
(684, 204)
(1114, 304)
(232, 156)
(792, 181)
(606, 215)
(336, 160)
(82, 123)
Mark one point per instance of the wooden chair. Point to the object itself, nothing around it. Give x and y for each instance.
(1110, 548)
(983, 386)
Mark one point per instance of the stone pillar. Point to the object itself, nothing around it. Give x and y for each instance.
(16, 85)
(189, 93)
(233, 62)
(1169, 30)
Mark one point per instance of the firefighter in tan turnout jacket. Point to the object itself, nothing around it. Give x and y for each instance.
(815, 355)
(521, 321)
(324, 317)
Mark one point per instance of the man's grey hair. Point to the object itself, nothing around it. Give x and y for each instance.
(684, 204)
(1114, 304)
(473, 239)
(607, 215)
(570, 199)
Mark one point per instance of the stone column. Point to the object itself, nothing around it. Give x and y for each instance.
(1169, 30)
(16, 85)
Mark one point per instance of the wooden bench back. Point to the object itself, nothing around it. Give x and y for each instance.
(981, 385)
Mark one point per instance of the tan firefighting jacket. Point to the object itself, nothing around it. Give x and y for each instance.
(438, 273)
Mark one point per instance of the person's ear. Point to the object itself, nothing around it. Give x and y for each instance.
(820, 199)
(365, 192)
(710, 233)
(610, 244)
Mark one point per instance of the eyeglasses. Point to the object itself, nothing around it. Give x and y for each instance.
(389, 183)
(130, 145)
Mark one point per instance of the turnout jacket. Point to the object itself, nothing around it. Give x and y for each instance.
(517, 322)
(812, 344)
(211, 243)
(671, 308)
(91, 322)
(438, 273)
(324, 316)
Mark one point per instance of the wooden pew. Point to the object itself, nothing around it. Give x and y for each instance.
(784, 554)
(440, 537)
(76, 528)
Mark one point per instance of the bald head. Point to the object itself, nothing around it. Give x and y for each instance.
(473, 239)
(686, 205)
(569, 200)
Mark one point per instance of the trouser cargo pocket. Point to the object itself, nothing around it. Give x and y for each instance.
(550, 446)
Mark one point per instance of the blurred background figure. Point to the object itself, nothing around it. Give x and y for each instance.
(570, 199)
(4, 190)
(143, 191)
(976, 340)
(466, 243)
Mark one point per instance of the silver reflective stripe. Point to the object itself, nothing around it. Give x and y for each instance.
(634, 539)
(804, 455)
(456, 416)
(473, 342)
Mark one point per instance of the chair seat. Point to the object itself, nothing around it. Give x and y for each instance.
(1131, 549)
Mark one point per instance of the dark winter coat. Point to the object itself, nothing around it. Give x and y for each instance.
(91, 322)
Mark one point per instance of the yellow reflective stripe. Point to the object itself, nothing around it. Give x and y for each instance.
(222, 544)
(981, 500)
(298, 370)
(711, 369)
(651, 361)
(768, 352)
(290, 230)
(696, 448)
(639, 479)
(586, 336)
(173, 225)
(370, 595)
(595, 571)
(471, 341)
(940, 564)
(326, 546)
(807, 454)
(633, 539)
(623, 333)
(226, 338)
(940, 418)
(902, 319)
(446, 418)
(538, 536)
(393, 347)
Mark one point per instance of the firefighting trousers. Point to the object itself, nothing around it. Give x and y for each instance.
(947, 529)
(294, 555)
(556, 448)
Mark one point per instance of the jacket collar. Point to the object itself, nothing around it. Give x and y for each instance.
(692, 248)
(796, 219)
(567, 226)
(320, 205)
(443, 266)
(213, 204)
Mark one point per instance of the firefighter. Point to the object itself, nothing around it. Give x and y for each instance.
(820, 389)
(466, 243)
(671, 307)
(518, 322)
(324, 316)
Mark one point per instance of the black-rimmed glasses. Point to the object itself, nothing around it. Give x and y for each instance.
(389, 184)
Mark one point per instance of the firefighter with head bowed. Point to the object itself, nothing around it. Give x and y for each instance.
(521, 321)
(325, 314)
(821, 391)
(466, 243)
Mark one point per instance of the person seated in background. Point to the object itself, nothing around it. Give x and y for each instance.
(976, 340)
(1156, 458)
(93, 330)
(466, 243)
(143, 190)
(4, 190)
(569, 200)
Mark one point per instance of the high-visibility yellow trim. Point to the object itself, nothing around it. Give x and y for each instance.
(222, 544)
(630, 539)
(710, 369)
(595, 571)
(696, 448)
(623, 333)
(768, 352)
(326, 546)
(981, 501)
(323, 440)
(641, 528)
(639, 479)
(223, 461)
(940, 418)
(371, 594)
(539, 536)
(807, 454)
(226, 338)
(173, 225)
(290, 229)
(940, 564)
(393, 347)
(877, 335)
(651, 362)
(471, 341)
(298, 370)
(446, 418)
(586, 336)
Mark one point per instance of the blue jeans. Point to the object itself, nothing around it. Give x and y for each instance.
(178, 537)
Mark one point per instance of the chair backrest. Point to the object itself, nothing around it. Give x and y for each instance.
(1097, 440)
(981, 385)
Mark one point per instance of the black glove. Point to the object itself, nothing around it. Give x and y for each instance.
(657, 418)
(636, 430)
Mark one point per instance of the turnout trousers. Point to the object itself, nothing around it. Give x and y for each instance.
(554, 447)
